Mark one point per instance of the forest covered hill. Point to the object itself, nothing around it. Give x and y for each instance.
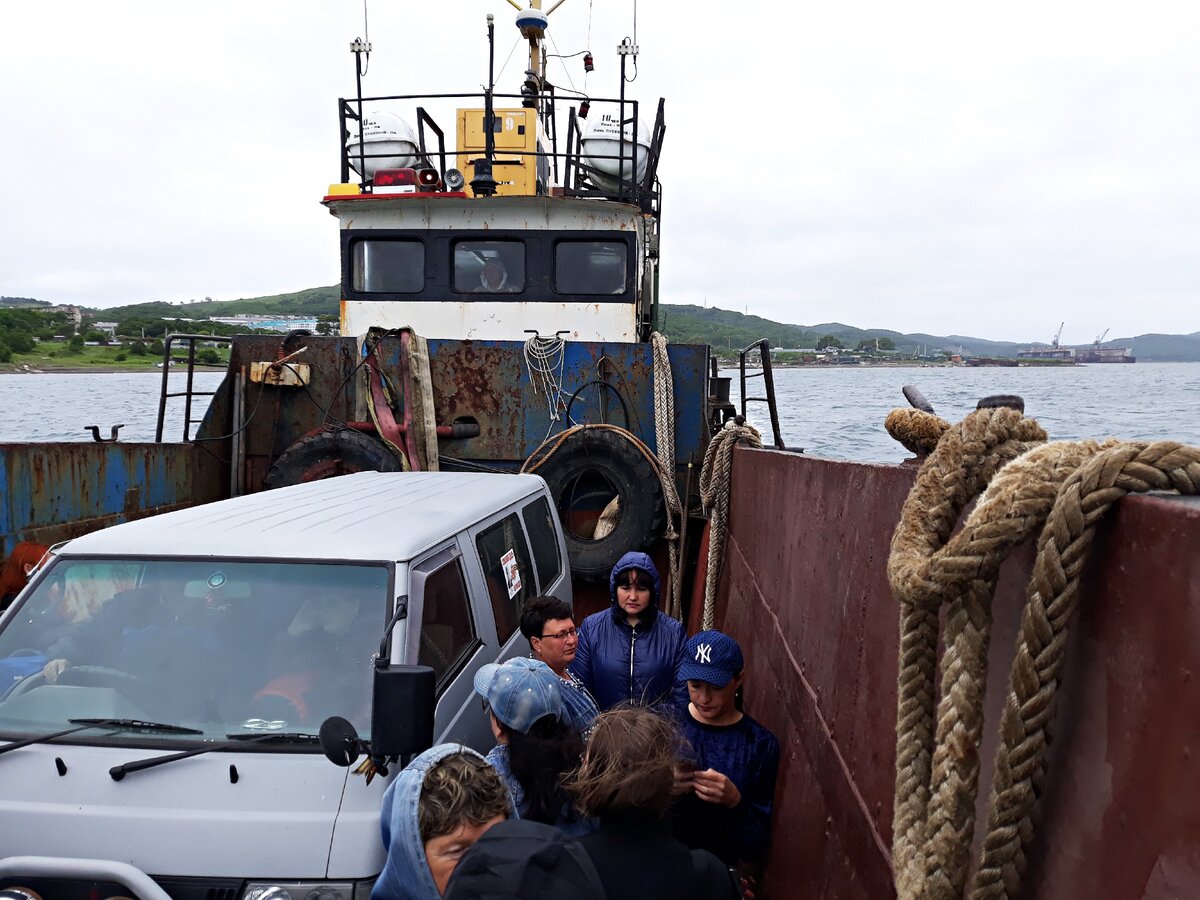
(723, 329)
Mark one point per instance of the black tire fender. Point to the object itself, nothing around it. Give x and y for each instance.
(330, 453)
(634, 479)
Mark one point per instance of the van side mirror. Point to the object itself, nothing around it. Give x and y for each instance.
(401, 718)
(402, 710)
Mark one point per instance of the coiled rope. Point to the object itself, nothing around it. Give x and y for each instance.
(545, 358)
(715, 483)
(1061, 490)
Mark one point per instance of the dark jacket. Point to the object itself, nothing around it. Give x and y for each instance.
(523, 860)
(639, 860)
(619, 663)
(748, 754)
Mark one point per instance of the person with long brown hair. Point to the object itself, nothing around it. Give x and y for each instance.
(626, 781)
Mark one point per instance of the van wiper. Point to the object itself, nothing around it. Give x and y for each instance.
(136, 725)
(274, 737)
(85, 724)
(235, 741)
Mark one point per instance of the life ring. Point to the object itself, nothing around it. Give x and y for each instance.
(330, 453)
(588, 469)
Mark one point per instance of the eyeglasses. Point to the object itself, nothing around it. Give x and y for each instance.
(562, 635)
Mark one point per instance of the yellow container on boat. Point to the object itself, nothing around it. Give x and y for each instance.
(514, 132)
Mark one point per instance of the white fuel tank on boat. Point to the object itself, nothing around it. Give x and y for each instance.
(600, 148)
(388, 143)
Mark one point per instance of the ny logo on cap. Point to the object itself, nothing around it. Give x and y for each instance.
(704, 653)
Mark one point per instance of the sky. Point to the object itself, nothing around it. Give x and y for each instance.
(939, 167)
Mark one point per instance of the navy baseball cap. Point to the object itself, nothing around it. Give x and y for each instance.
(520, 691)
(711, 656)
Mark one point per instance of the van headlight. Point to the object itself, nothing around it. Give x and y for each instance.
(308, 890)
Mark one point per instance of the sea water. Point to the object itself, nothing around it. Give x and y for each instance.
(834, 412)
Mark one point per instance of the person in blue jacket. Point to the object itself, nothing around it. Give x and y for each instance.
(440, 804)
(631, 652)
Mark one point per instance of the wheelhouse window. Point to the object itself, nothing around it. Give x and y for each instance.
(489, 267)
(591, 267)
(389, 266)
(213, 647)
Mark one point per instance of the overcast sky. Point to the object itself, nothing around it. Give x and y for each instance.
(932, 166)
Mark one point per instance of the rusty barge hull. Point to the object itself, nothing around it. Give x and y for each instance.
(804, 588)
(56, 491)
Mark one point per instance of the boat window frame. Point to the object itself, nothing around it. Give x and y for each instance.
(364, 239)
(539, 265)
(560, 240)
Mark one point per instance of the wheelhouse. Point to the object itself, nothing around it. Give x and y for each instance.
(539, 241)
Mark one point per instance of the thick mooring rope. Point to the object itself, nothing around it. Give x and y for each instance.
(664, 437)
(1067, 486)
(715, 483)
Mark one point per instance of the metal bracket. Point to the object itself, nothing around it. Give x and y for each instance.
(111, 439)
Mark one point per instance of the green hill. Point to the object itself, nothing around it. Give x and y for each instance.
(309, 302)
(724, 330)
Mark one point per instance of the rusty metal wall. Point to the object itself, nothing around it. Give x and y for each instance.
(805, 592)
(53, 491)
(488, 381)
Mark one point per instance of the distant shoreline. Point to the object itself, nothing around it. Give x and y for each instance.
(29, 369)
(26, 369)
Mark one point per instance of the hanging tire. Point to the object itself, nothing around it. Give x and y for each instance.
(331, 453)
(589, 469)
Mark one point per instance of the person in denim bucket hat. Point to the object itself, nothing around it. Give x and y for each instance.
(536, 746)
(726, 782)
(519, 692)
(630, 653)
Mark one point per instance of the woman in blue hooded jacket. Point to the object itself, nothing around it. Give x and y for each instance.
(440, 804)
(631, 652)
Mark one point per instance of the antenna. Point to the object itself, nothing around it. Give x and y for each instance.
(484, 183)
(361, 49)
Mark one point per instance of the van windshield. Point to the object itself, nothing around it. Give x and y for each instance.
(220, 646)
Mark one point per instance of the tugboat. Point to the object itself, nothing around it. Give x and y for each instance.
(499, 292)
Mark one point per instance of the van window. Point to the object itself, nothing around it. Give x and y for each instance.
(543, 538)
(447, 633)
(507, 572)
(590, 267)
(220, 646)
(388, 266)
(489, 267)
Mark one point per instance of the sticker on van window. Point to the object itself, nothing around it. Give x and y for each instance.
(512, 575)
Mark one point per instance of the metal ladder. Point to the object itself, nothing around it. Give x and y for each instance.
(764, 354)
(189, 390)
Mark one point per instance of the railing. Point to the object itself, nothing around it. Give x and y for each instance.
(578, 177)
(764, 352)
(189, 391)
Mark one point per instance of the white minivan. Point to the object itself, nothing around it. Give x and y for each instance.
(164, 681)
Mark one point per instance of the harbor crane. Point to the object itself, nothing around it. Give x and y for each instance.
(1096, 343)
(1057, 335)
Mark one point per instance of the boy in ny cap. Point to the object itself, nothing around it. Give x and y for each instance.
(727, 781)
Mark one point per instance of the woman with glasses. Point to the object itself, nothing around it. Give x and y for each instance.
(631, 652)
(547, 624)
